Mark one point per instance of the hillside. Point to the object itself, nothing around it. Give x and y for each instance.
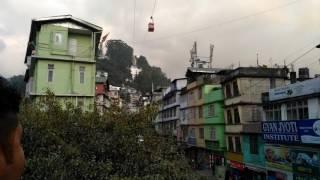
(118, 63)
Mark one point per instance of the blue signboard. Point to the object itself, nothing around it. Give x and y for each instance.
(282, 132)
(291, 132)
(309, 131)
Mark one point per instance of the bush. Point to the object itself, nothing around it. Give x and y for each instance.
(66, 143)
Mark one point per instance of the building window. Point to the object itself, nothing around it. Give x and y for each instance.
(192, 132)
(201, 133)
(212, 133)
(81, 70)
(253, 144)
(80, 103)
(235, 88)
(194, 112)
(72, 47)
(273, 112)
(303, 111)
(183, 114)
(230, 144)
(238, 144)
(272, 83)
(211, 110)
(200, 93)
(50, 72)
(236, 116)
(229, 117)
(200, 112)
(228, 91)
(256, 114)
(297, 110)
(57, 38)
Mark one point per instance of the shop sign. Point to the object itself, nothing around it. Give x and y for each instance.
(296, 89)
(306, 162)
(291, 132)
(309, 131)
(236, 165)
(272, 175)
(280, 132)
(278, 157)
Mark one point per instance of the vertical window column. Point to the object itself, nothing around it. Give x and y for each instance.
(50, 72)
(82, 70)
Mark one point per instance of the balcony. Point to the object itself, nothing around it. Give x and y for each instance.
(192, 141)
(212, 145)
(234, 128)
(252, 127)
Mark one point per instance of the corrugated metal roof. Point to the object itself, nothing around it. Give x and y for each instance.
(68, 16)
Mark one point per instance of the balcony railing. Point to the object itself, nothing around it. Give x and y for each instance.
(192, 141)
(252, 127)
(211, 144)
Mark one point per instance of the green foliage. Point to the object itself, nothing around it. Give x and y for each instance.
(66, 143)
(147, 76)
(18, 82)
(120, 57)
(118, 66)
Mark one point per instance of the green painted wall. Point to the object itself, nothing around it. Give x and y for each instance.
(88, 102)
(66, 78)
(46, 48)
(66, 75)
(213, 95)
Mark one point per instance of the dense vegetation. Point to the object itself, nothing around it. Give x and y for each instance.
(18, 82)
(117, 64)
(66, 143)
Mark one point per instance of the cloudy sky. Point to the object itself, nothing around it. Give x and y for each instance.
(239, 29)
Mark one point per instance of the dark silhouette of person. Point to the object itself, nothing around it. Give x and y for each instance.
(12, 160)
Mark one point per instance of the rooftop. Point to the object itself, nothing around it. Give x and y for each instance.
(254, 72)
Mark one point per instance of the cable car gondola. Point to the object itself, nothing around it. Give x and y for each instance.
(151, 25)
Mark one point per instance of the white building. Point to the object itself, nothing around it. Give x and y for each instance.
(169, 111)
(291, 130)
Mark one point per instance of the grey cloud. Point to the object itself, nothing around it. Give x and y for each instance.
(2, 45)
(273, 34)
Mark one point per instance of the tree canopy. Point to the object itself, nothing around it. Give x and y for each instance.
(66, 143)
(118, 62)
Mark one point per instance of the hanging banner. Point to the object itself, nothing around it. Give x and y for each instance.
(280, 132)
(278, 157)
(297, 89)
(306, 162)
(291, 132)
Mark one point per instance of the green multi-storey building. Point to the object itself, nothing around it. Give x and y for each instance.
(61, 57)
(202, 120)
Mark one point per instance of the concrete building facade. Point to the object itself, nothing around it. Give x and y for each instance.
(61, 57)
(243, 113)
(291, 130)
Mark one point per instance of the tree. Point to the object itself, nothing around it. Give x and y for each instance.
(118, 63)
(67, 143)
(18, 82)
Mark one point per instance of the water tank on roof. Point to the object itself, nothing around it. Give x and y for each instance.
(304, 73)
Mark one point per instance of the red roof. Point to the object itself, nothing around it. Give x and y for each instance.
(100, 89)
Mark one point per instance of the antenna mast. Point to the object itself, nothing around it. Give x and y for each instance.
(211, 55)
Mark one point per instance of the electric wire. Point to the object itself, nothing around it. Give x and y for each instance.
(152, 14)
(226, 22)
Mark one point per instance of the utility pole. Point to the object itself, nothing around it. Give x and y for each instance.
(211, 55)
(257, 59)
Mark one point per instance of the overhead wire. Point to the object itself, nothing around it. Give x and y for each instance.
(134, 21)
(226, 22)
